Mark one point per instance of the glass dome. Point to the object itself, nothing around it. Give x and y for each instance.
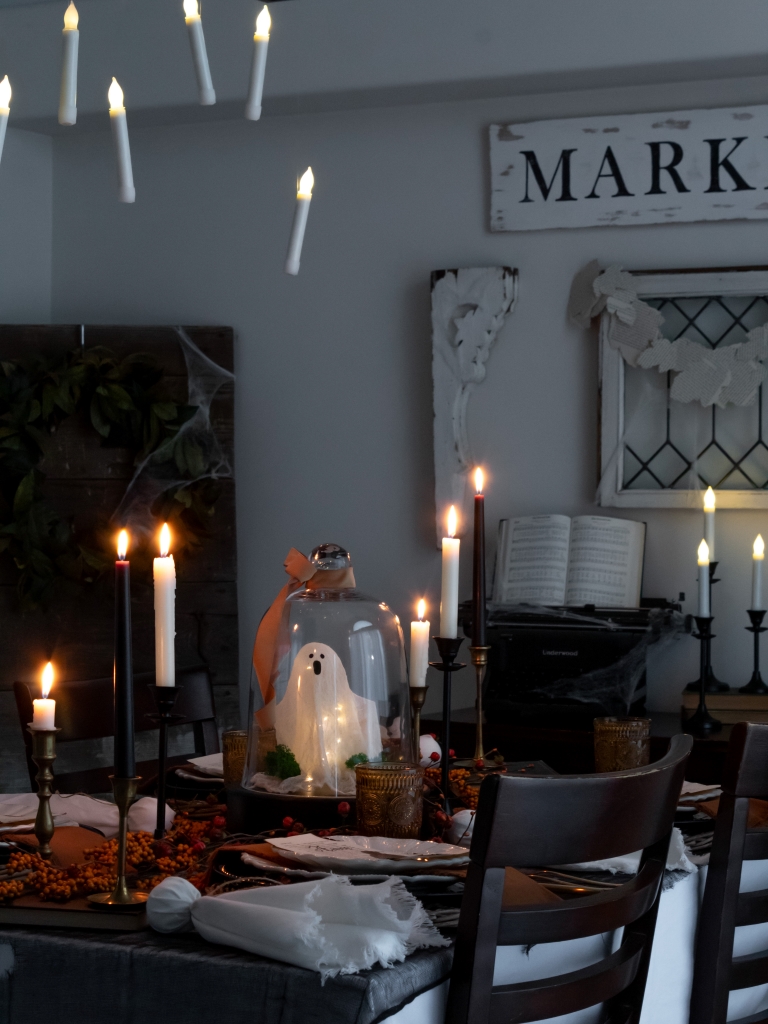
(340, 682)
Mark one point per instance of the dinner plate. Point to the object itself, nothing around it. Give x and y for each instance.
(350, 854)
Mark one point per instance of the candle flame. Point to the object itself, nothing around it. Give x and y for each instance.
(122, 544)
(47, 680)
(191, 9)
(758, 548)
(452, 521)
(703, 553)
(5, 94)
(709, 500)
(421, 609)
(165, 541)
(306, 184)
(479, 480)
(71, 17)
(115, 96)
(263, 22)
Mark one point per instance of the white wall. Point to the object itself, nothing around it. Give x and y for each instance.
(334, 378)
(26, 222)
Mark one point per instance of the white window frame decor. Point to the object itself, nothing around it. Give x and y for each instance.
(742, 281)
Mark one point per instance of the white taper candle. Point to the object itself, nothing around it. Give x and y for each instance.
(449, 597)
(5, 110)
(758, 558)
(194, 22)
(419, 648)
(71, 37)
(303, 199)
(709, 522)
(126, 191)
(703, 561)
(164, 572)
(259, 66)
(44, 711)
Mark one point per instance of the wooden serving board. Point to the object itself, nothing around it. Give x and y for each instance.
(79, 913)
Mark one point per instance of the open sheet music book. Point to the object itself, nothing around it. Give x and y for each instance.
(555, 560)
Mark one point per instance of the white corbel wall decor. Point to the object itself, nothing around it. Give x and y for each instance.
(469, 307)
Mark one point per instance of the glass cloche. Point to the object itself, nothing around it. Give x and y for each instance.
(341, 692)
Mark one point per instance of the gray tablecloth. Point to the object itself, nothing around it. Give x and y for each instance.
(74, 977)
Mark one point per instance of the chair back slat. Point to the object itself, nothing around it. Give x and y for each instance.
(574, 919)
(752, 908)
(756, 844)
(602, 821)
(750, 970)
(598, 983)
(522, 823)
(723, 908)
(85, 711)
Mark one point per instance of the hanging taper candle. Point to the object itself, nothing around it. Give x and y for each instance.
(199, 55)
(303, 199)
(126, 191)
(5, 110)
(71, 37)
(259, 66)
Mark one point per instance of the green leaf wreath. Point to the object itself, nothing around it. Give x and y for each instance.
(126, 404)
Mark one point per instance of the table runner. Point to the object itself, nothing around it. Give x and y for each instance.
(145, 978)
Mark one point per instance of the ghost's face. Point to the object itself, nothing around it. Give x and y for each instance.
(314, 658)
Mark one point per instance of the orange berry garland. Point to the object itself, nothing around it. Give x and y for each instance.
(180, 852)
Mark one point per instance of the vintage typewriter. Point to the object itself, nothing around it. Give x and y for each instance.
(537, 657)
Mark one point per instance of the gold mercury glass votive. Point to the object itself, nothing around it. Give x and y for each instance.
(389, 799)
(235, 743)
(622, 743)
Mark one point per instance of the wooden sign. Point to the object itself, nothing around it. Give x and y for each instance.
(632, 169)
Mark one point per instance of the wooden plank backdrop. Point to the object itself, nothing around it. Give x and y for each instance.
(87, 481)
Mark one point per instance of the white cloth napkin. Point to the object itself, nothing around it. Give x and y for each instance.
(80, 809)
(330, 926)
(209, 764)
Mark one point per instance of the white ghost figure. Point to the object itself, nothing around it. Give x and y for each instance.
(323, 722)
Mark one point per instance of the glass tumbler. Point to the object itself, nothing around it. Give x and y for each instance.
(621, 743)
(389, 799)
(235, 743)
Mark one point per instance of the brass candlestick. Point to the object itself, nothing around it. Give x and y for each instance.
(121, 898)
(418, 696)
(44, 754)
(480, 661)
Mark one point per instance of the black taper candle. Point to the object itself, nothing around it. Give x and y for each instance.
(125, 757)
(478, 566)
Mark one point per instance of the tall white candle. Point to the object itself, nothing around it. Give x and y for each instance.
(709, 521)
(5, 110)
(165, 612)
(449, 597)
(44, 711)
(259, 66)
(758, 557)
(71, 36)
(703, 580)
(303, 199)
(419, 647)
(199, 54)
(126, 191)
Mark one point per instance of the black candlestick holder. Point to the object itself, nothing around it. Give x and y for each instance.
(701, 723)
(165, 697)
(448, 648)
(756, 684)
(711, 684)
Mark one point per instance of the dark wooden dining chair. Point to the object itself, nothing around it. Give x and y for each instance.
(724, 908)
(535, 822)
(84, 711)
